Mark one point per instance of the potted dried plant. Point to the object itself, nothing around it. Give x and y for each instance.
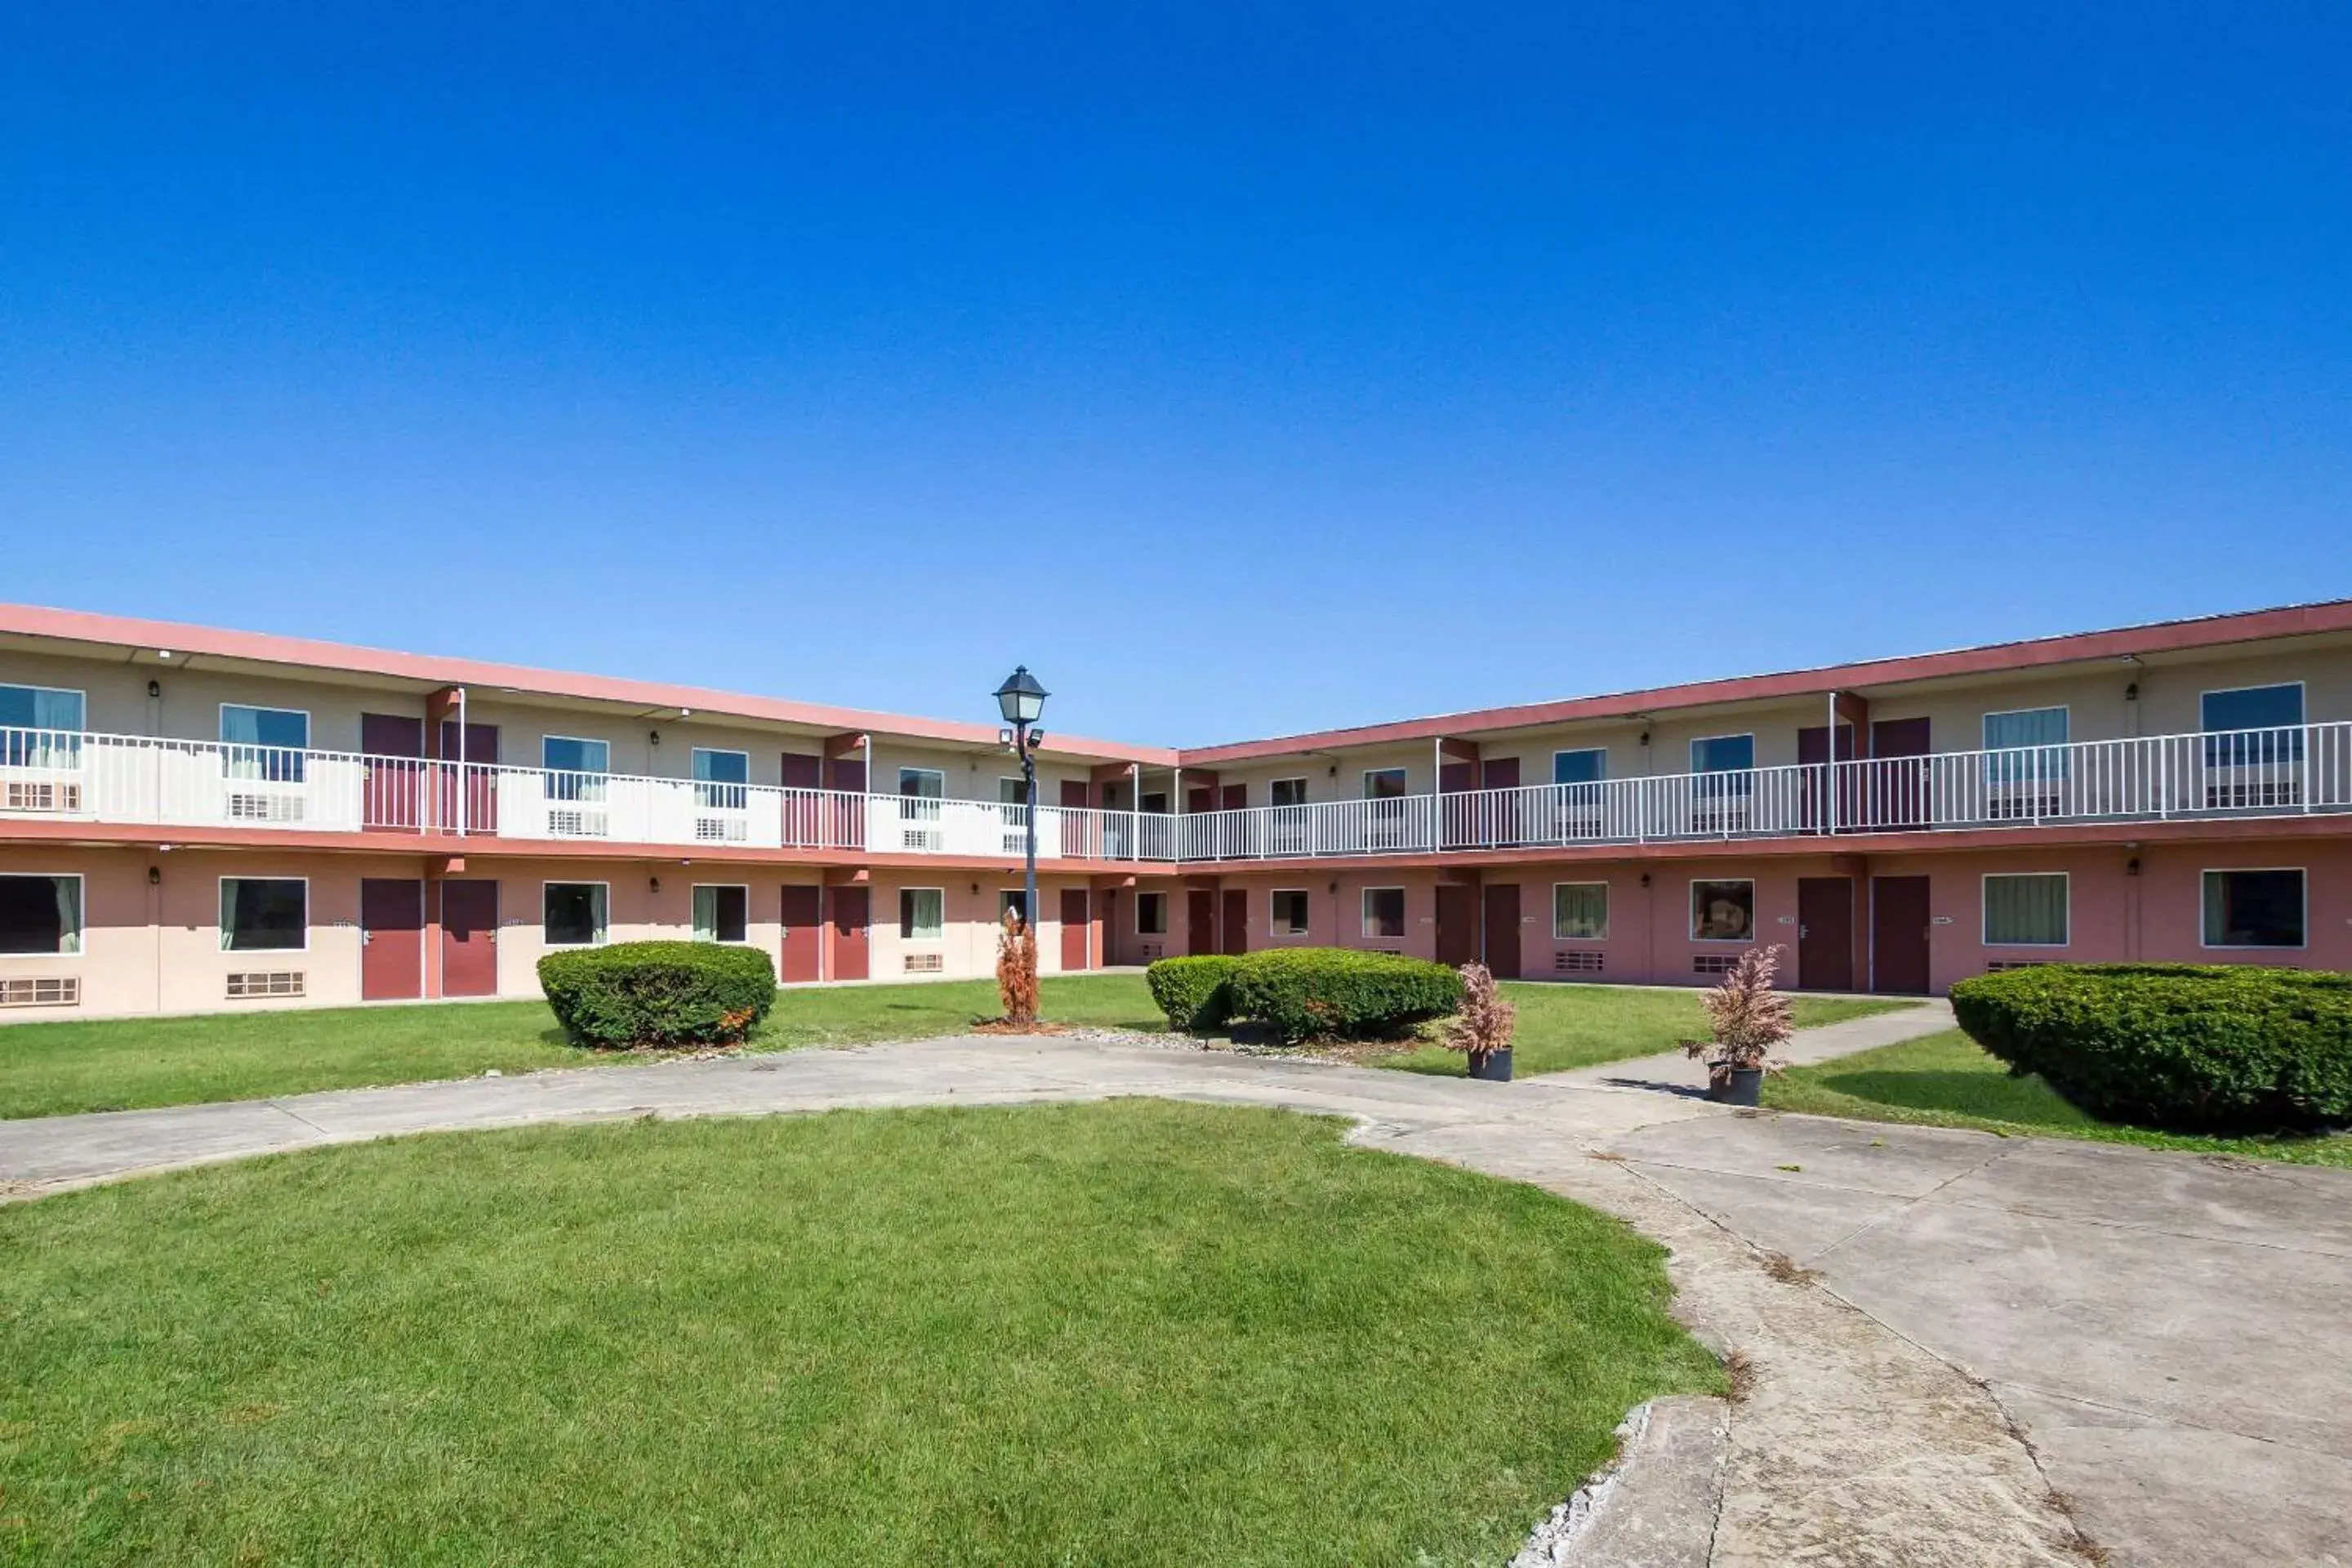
(1481, 1029)
(1746, 1018)
(1016, 970)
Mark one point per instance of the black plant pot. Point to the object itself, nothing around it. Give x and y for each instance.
(1494, 1067)
(1740, 1086)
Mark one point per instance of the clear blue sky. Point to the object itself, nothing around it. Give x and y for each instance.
(1243, 371)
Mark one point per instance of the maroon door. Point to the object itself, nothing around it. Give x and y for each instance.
(1899, 784)
(1813, 752)
(389, 794)
(1825, 934)
(1232, 798)
(1501, 812)
(480, 756)
(470, 934)
(392, 938)
(804, 814)
(1503, 930)
(803, 918)
(1457, 819)
(1077, 931)
(1898, 935)
(851, 908)
(1200, 920)
(1234, 928)
(1457, 923)
(1081, 835)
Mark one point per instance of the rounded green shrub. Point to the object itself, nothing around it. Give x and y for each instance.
(2186, 1048)
(1194, 991)
(658, 993)
(1337, 992)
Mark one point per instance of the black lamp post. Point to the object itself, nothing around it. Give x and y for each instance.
(1022, 701)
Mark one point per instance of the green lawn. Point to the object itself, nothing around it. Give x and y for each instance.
(1564, 1026)
(1137, 1332)
(117, 1064)
(1948, 1080)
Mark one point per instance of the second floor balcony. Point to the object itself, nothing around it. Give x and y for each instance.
(81, 776)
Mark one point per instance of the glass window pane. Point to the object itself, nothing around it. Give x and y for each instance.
(574, 914)
(1290, 913)
(722, 767)
(922, 783)
(2253, 908)
(39, 707)
(1152, 914)
(1723, 911)
(1384, 913)
(1580, 911)
(721, 913)
(40, 914)
(1012, 792)
(1384, 784)
(562, 754)
(1722, 754)
(2254, 708)
(264, 914)
(921, 914)
(2025, 910)
(1287, 792)
(2011, 739)
(1589, 766)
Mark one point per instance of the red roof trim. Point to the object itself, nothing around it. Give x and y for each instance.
(2162, 637)
(78, 625)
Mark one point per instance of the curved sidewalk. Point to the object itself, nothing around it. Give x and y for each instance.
(1860, 1442)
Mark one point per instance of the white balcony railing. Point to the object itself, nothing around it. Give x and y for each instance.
(72, 775)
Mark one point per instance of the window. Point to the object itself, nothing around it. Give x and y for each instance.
(1383, 783)
(922, 914)
(573, 913)
(1590, 766)
(2025, 910)
(2267, 721)
(1733, 757)
(2253, 908)
(1384, 913)
(1152, 914)
(1289, 912)
(40, 914)
(264, 914)
(39, 707)
(263, 743)
(922, 783)
(1011, 900)
(721, 779)
(1580, 911)
(1723, 911)
(1287, 792)
(563, 754)
(1155, 804)
(1012, 792)
(721, 913)
(2017, 741)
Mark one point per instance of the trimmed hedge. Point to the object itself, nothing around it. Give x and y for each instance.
(658, 993)
(1316, 993)
(1194, 991)
(2186, 1048)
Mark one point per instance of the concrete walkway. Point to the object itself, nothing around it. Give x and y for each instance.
(2160, 1332)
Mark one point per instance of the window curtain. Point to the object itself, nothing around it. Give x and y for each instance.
(706, 914)
(1580, 912)
(2016, 741)
(68, 914)
(2027, 911)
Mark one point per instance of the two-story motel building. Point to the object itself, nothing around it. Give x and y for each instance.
(194, 819)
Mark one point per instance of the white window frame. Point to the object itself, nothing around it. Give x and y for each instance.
(2302, 700)
(938, 935)
(1273, 784)
(81, 903)
(1601, 751)
(2205, 871)
(220, 896)
(694, 751)
(83, 729)
(1984, 909)
(743, 940)
(603, 773)
(1985, 741)
(1404, 774)
(938, 774)
(1364, 912)
(1002, 894)
(1607, 912)
(1159, 893)
(1272, 928)
(1690, 909)
(1016, 780)
(603, 940)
